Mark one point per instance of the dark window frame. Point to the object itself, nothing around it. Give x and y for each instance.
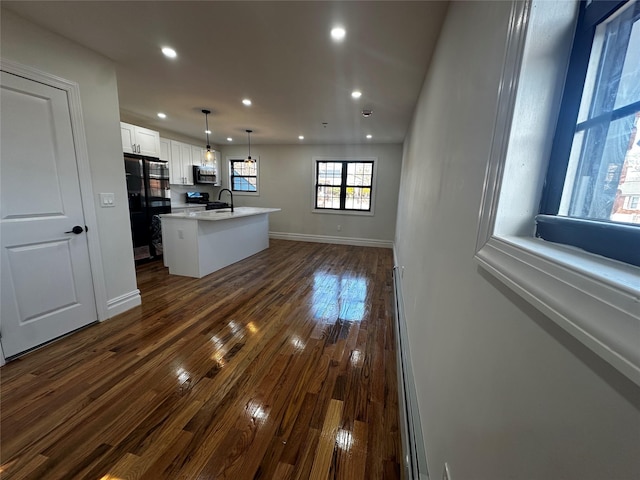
(617, 241)
(232, 161)
(343, 186)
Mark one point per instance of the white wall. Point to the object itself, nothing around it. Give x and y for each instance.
(503, 392)
(30, 45)
(286, 182)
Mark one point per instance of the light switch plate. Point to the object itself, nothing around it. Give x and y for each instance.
(107, 200)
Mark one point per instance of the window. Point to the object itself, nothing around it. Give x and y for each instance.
(243, 176)
(591, 297)
(344, 185)
(594, 172)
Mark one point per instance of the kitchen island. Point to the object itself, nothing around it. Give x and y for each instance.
(196, 244)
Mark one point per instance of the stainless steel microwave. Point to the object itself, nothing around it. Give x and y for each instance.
(204, 174)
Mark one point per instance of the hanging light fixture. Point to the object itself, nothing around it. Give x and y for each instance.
(209, 154)
(249, 159)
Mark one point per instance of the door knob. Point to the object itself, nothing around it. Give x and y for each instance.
(77, 230)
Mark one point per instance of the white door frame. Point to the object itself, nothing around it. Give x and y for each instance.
(84, 175)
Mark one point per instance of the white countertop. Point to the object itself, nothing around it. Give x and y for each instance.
(221, 214)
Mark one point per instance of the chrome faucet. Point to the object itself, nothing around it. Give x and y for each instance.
(230, 194)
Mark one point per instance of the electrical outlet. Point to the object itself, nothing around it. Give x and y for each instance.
(180, 233)
(446, 474)
(339, 228)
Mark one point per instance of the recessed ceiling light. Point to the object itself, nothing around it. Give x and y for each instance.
(369, 136)
(356, 94)
(300, 137)
(229, 139)
(208, 132)
(338, 33)
(246, 102)
(162, 115)
(169, 52)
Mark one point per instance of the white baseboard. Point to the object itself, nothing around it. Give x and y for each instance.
(123, 303)
(414, 454)
(303, 237)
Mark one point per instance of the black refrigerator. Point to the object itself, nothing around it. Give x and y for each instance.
(149, 197)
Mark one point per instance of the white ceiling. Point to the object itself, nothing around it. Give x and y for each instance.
(278, 54)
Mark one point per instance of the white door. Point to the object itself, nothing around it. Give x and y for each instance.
(46, 285)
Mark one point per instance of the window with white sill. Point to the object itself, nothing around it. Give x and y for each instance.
(594, 171)
(344, 185)
(594, 298)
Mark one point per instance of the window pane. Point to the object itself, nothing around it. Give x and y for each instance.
(244, 184)
(358, 198)
(359, 173)
(328, 197)
(608, 171)
(329, 173)
(629, 87)
(244, 168)
(604, 164)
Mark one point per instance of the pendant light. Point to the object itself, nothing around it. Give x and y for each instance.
(249, 159)
(209, 154)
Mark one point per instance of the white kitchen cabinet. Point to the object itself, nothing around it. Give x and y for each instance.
(197, 155)
(215, 163)
(180, 165)
(140, 140)
(165, 149)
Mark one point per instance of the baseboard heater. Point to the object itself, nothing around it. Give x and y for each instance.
(414, 461)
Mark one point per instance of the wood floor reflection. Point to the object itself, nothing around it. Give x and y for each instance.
(280, 366)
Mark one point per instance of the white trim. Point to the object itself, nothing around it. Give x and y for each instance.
(414, 462)
(303, 237)
(374, 185)
(123, 303)
(596, 303)
(507, 90)
(84, 171)
(595, 299)
(360, 213)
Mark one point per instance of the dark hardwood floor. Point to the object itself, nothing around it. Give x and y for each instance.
(280, 366)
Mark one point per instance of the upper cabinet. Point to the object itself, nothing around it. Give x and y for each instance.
(180, 171)
(197, 155)
(182, 157)
(165, 149)
(140, 140)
